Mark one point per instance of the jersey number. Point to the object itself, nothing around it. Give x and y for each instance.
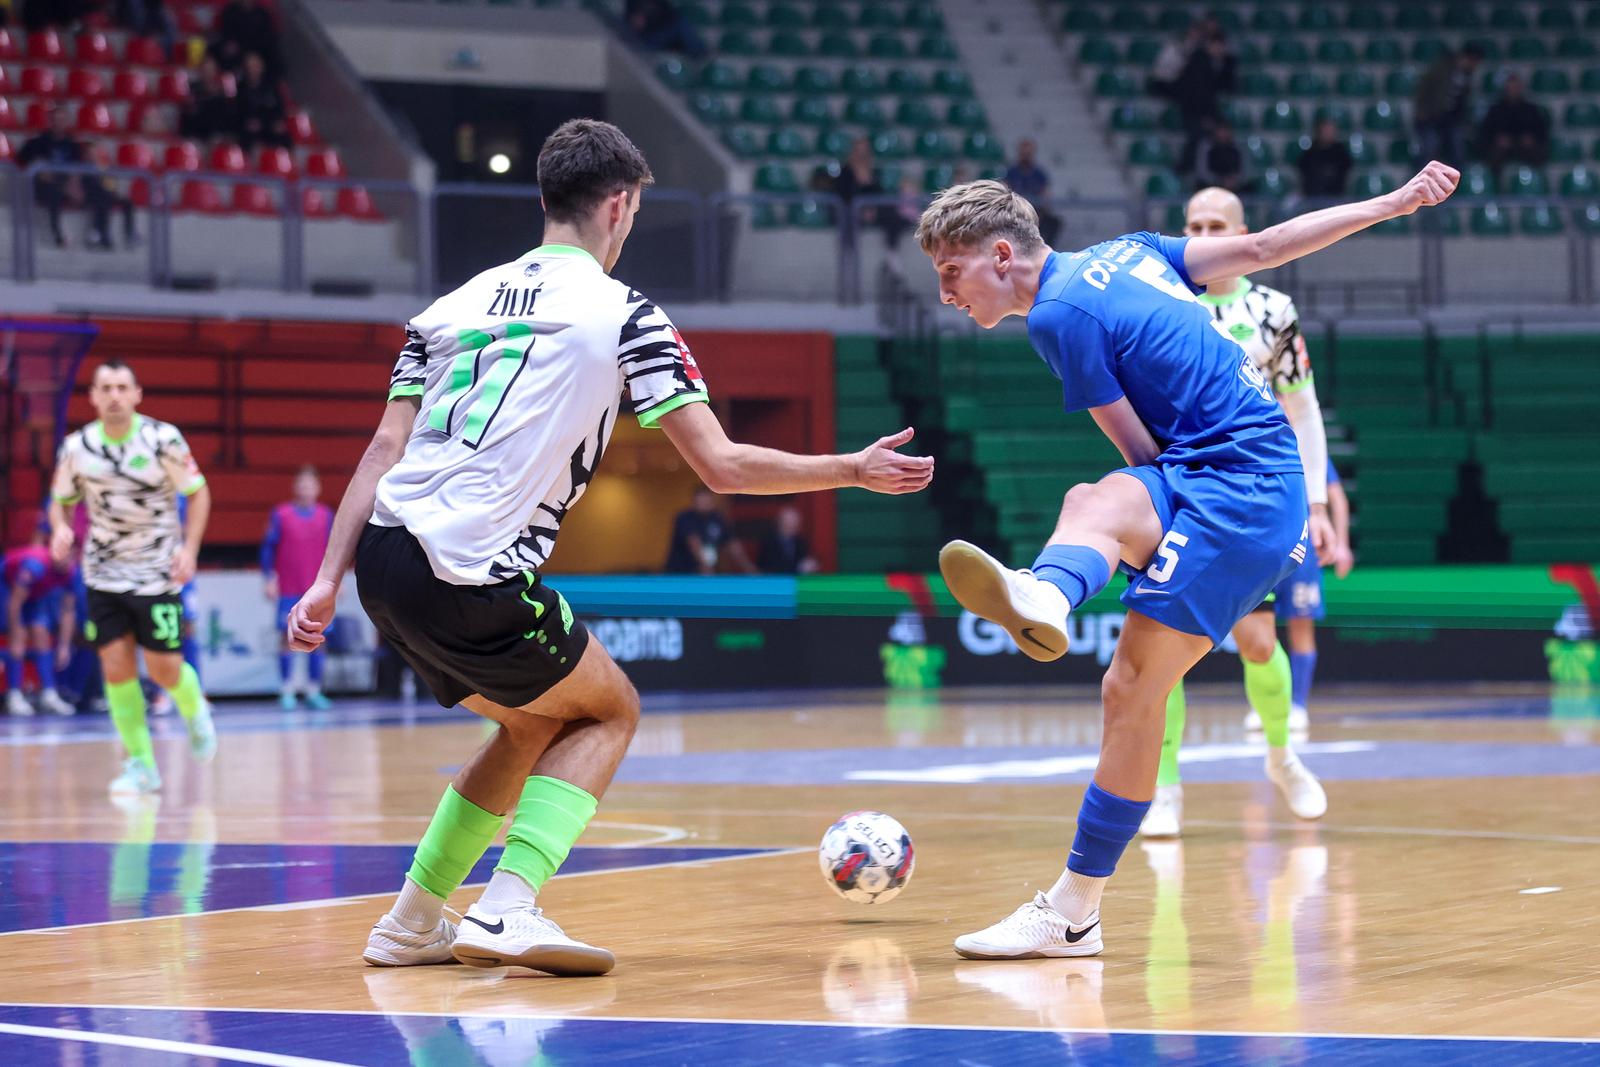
(505, 364)
(1153, 273)
(1160, 572)
(167, 620)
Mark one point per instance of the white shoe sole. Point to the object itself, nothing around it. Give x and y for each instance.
(976, 579)
(1053, 952)
(565, 961)
(378, 957)
(1163, 832)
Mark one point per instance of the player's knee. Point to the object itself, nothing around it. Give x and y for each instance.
(1118, 691)
(1255, 647)
(1079, 498)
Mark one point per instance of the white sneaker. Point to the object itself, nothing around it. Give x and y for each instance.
(161, 704)
(1031, 610)
(1299, 720)
(202, 734)
(137, 777)
(1252, 722)
(50, 701)
(1033, 931)
(17, 705)
(523, 937)
(1165, 817)
(392, 945)
(1300, 788)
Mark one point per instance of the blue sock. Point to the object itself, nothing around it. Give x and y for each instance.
(314, 668)
(286, 667)
(1076, 570)
(1106, 823)
(1302, 666)
(44, 665)
(13, 669)
(191, 654)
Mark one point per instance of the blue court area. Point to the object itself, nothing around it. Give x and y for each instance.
(89, 1037)
(51, 884)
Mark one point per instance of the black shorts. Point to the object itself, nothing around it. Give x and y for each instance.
(156, 622)
(511, 642)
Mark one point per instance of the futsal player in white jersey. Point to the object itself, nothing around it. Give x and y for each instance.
(1266, 325)
(500, 407)
(129, 471)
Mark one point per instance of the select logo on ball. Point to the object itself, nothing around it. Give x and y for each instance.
(866, 857)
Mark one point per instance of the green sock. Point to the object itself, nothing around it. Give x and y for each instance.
(126, 701)
(187, 695)
(458, 836)
(550, 818)
(1172, 740)
(1267, 685)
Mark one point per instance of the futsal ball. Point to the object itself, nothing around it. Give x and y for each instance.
(866, 857)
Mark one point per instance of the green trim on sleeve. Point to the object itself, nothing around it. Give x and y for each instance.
(400, 391)
(67, 499)
(1303, 383)
(649, 419)
(195, 488)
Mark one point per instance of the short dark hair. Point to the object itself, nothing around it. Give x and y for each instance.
(113, 365)
(584, 162)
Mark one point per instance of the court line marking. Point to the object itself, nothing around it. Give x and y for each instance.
(829, 1023)
(156, 1044)
(340, 902)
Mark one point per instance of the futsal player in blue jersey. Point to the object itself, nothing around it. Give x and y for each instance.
(1209, 514)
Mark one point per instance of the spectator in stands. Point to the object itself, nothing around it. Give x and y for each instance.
(56, 190)
(1032, 182)
(906, 212)
(148, 18)
(246, 27)
(1325, 166)
(1218, 161)
(1444, 95)
(702, 538)
(785, 549)
(43, 14)
(858, 176)
(1209, 72)
(661, 27)
(1172, 59)
(104, 194)
(262, 118)
(211, 111)
(1516, 130)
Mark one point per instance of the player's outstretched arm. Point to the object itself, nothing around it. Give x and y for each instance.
(729, 467)
(1209, 259)
(310, 617)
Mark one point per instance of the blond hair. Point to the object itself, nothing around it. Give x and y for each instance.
(975, 212)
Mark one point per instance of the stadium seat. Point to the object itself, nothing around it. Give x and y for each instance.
(1150, 152)
(718, 76)
(741, 141)
(1565, 150)
(1129, 19)
(1116, 83)
(1587, 218)
(861, 81)
(1550, 81)
(1317, 18)
(39, 81)
(952, 81)
(94, 118)
(130, 85)
(354, 202)
(903, 81)
(936, 46)
(183, 156)
(145, 52)
(1366, 18)
(785, 17)
(886, 46)
(174, 87)
(916, 114)
(1132, 118)
(864, 111)
(1098, 52)
(1270, 18)
(1362, 151)
(1258, 151)
(1413, 17)
(938, 177)
(1461, 16)
(1490, 220)
(674, 73)
(1507, 17)
(1081, 18)
(1383, 51)
(738, 16)
(1427, 49)
(709, 108)
(1307, 83)
(135, 155)
(1525, 181)
(46, 46)
(1172, 20)
(890, 144)
(1143, 51)
(760, 111)
(1335, 52)
(878, 17)
(93, 48)
(1367, 184)
(1589, 80)
(248, 199)
(738, 43)
(85, 84)
(831, 17)
(8, 45)
(1164, 184)
(8, 154)
(1282, 115)
(1273, 182)
(314, 203)
(966, 114)
(811, 111)
(788, 143)
(1476, 180)
(1381, 117)
(1580, 181)
(38, 117)
(931, 144)
(1577, 47)
(766, 78)
(788, 44)
(227, 159)
(1540, 220)
(276, 162)
(837, 44)
(982, 147)
(814, 81)
(776, 178)
(1290, 51)
(1582, 114)
(324, 163)
(1524, 49)
(1356, 83)
(1400, 84)
(1258, 83)
(200, 197)
(834, 143)
(1556, 17)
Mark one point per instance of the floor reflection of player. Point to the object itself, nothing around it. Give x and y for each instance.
(138, 883)
(870, 981)
(1284, 882)
(1168, 979)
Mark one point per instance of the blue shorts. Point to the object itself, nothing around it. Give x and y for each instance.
(191, 603)
(1230, 538)
(43, 611)
(1299, 596)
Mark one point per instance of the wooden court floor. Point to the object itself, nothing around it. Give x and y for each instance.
(1446, 911)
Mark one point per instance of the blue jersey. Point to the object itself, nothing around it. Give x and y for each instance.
(1333, 473)
(1120, 319)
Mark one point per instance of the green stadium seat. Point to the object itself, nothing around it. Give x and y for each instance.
(878, 17)
(1228, 18)
(938, 177)
(814, 81)
(1177, 218)
(1238, 115)
(1150, 152)
(864, 111)
(903, 81)
(1540, 220)
(1565, 150)
(1356, 83)
(1589, 81)
(1476, 180)
(1116, 83)
(1173, 20)
(834, 142)
(1282, 115)
(1249, 52)
(886, 46)
(1580, 181)
(811, 111)
(1528, 48)
(861, 81)
(765, 217)
(1307, 83)
(1525, 181)
(1556, 17)
(1132, 118)
(1400, 84)
(736, 15)
(1129, 19)
(1340, 114)
(1591, 17)
(1461, 16)
(1163, 184)
(788, 44)
(952, 81)
(994, 172)
(810, 214)
(980, 146)
(916, 114)
(718, 76)
(1317, 18)
(831, 17)
(696, 13)
(1491, 220)
(1586, 217)
(889, 177)
(1582, 114)
(1258, 150)
(1296, 148)
(1400, 151)
(1098, 52)
(890, 144)
(1081, 18)
(760, 111)
(1367, 184)
(1171, 120)
(966, 115)
(709, 108)
(766, 78)
(1550, 81)
(1274, 182)
(776, 178)
(936, 46)
(1291, 51)
(1142, 51)
(1366, 18)
(1362, 151)
(738, 43)
(1414, 17)
(1383, 51)
(674, 73)
(1258, 83)
(925, 17)
(1576, 47)
(1489, 46)
(1506, 17)
(837, 44)
(741, 142)
(788, 143)
(785, 17)
(1427, 49)
(1335, 52)
(1270, 18)
(1381, 117)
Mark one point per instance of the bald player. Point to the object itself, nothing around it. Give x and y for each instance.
(1266, 325)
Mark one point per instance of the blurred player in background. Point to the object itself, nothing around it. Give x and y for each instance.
(1210, 514)
(129, 471)
(291, 552)
(39, 622)
(500, 407)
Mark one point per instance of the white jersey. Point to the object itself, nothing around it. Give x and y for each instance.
(521, 374)
(130, 487)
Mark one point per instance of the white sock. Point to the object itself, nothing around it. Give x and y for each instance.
(417, 909)
(1077, 896)
(504, 892)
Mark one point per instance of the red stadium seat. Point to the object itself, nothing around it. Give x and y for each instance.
(8, 118)
(229, 159)
(38, 115)
(174, 87)
(146, 52)
(139, 192)
(46, 45)
(85, 84)
(276, 163)
(183, 156)
(135, 155)
(5, 82)
(300, 129)
(6, 153)
(324, 163)
(94, 118)
(131, 85)
(314, 203)
(253, 200)
(354, 203)
(94, 48)
(39, 81)
(201, 197)
(8, 45)
(192, 23)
